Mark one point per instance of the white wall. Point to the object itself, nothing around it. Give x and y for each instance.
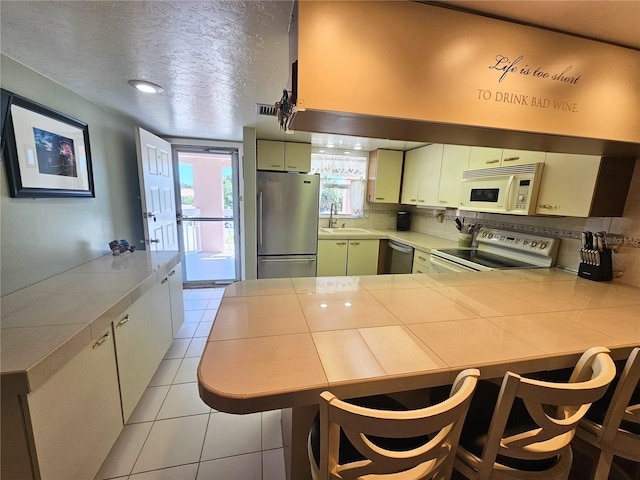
(40, 238)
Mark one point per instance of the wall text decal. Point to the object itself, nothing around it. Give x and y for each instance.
(527, 100)
(518, 66)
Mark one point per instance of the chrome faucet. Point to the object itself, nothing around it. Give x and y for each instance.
(331, 219)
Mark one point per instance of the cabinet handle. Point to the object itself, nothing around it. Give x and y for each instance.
(419, 271)
(123, 321)
(292, 166)
(341, 243)
(497, 160)
(510, 159)
(442, 201)
(421, 201)
(355, 244)
(550, 206)
(172, 273)
(413, 199)
(422, 258)
(275, 165)
(164, 280)
(379, 198)
(101, 340)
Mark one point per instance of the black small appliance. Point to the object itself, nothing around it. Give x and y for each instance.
(403, 221)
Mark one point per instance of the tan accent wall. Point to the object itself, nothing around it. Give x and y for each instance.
(420, 62)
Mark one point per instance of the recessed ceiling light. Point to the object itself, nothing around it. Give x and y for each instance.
(146, 87)
(330, 145)
(358, 147)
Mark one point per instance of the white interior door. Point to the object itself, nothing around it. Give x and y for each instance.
(157, 191)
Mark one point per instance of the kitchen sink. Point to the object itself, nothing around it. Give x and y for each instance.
(346, 231)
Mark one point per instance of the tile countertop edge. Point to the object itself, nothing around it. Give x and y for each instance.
(421, 241)
(27, 375)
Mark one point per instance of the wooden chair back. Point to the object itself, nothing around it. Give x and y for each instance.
(556, 409)
(442, 424)
(620, 408)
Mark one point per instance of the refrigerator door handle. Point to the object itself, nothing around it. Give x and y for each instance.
(308, 259)
(260, 217)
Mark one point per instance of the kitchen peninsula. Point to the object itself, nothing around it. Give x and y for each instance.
(278, 343)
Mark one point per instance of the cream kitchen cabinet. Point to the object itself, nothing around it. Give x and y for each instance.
(362, 257)
(484, 157)
(142, 336)
(455, 160)
(285, 156)
(385, 173)
(420, 261)
(270, 155)
(422, 176)
(332, 258)
(297, 157)
(521, 157)
(176, 300)
(75, 417)
(487, 157)
(584, 185)
(347, 257)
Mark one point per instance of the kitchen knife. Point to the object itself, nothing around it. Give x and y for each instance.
(458, 224)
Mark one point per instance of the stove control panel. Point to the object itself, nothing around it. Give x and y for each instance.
(520, 241)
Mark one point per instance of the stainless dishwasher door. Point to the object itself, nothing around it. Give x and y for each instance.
(399, 258)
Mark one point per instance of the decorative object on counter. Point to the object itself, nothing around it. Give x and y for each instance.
(465, 237)
(122, 246)
(595, 257)
(47, 152)
(465, 240)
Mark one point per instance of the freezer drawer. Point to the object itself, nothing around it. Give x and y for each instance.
(286, 266)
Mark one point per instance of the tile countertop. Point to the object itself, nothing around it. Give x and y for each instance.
(44, 325)
(417, 240)
(278, 343)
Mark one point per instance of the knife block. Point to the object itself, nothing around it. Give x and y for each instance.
(599, 273)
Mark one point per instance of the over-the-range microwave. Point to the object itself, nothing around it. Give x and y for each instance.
(513, 189)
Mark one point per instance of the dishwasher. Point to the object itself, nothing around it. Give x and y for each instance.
(399, 257)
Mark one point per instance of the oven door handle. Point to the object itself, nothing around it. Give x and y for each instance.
(507, 203)
(449, 266)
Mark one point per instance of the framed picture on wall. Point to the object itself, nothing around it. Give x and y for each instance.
(46, 152)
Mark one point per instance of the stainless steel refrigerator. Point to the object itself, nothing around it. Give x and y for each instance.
(287, 213)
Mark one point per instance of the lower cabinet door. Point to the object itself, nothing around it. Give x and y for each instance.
(177, 300)
(421, 263)
(332, 258)
(362, 258)
(142, 335)
(75, 416)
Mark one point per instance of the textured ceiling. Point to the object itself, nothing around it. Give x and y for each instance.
(217, 59)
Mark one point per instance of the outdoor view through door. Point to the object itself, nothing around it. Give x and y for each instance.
(208, 181)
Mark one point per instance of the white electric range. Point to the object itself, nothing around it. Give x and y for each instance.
(498, 250)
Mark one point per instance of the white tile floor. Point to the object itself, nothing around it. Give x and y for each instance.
(172, 434)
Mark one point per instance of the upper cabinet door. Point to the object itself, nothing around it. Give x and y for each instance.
(484, 157)
(429, 180)
(385, 172)
(455, 160)
(297, 157)
(411, 176)
(270, 155)
(519, 157)
(568, 183)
